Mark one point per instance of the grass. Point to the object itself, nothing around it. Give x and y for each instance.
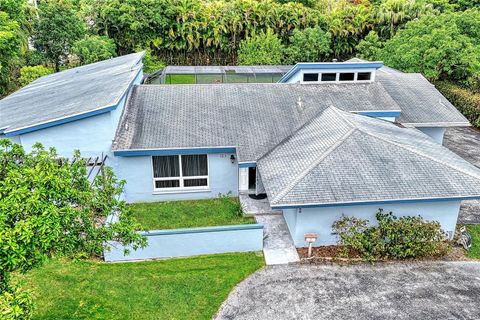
(188, 214)
(180, 79)
(189, 288)
(474, 251)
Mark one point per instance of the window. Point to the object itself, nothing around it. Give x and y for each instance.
(329, 76)
(347, 76)
(180, 171)
(363, 76)
(310, 77)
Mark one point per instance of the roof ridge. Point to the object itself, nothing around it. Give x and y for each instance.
(315, 163)
(425, 155)
(290, 136)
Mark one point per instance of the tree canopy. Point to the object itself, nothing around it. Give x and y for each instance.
(49, 207)
(56, 29)
(94, 48)
(443, 46)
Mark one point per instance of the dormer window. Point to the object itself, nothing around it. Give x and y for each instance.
(364, 76)
(329, 77)
(347, 76)
(310, 77)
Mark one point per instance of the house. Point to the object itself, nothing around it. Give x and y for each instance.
(327, 139)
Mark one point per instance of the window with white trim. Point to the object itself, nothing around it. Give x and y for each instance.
(180, 172)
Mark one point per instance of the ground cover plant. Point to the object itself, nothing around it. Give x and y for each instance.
(220, 211)
(474, 251)
(185, 288)
(392, 237)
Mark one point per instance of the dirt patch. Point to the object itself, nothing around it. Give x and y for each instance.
(335, 254)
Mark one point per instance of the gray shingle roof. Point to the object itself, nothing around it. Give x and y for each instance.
(69, 93)
(340, 157)
(421, 103)
(252, 117)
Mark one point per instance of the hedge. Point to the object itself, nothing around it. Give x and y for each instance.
(467, 102)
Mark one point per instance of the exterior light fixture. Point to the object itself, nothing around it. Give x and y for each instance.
(232, 158)
(310, 238)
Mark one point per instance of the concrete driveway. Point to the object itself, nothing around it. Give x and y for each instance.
(440, 290)
(466, 143)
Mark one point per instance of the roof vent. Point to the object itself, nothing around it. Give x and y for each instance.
(300, 104)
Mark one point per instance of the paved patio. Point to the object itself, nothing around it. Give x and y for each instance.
(466, 143)
(427, 291)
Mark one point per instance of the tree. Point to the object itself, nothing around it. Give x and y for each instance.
(446, 46)
(30, 73)
(49, 207)
(309, 45)
(94, 48)
(10, 41)
(370, 47)
(151, 63)
(265, 48)
(56, 29)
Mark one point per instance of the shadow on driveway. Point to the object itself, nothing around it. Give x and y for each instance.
(440, 290)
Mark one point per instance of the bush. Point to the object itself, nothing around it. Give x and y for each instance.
(15, 304)
(309, 45)
(94, 48)
(393, 237)
(28, 74)
(465, 101)
(265, 48)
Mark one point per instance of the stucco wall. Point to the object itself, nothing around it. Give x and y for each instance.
(91, 136)
(193, 242)
(320, 220)
(435, 133)
(137, 171)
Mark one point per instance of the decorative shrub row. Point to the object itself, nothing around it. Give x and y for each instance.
(392, 237)
(467, 102)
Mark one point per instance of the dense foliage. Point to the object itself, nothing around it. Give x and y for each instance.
(265, 48)
(94, 48)
(56, 29)
(466, 101)
(49, 207)
(440, 47)
(30, 73)
(392, 237)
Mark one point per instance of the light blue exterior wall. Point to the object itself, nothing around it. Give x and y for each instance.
(320, 220)
(193, 242)
(434, 133)
(138, 172)
(92, 136)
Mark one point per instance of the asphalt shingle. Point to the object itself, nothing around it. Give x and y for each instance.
(69, 93)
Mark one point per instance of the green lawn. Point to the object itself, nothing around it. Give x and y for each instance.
(189, 288)
(474, 251)
(180, 79)
(188, 214)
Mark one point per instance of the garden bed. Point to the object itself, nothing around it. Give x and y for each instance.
(190, 214)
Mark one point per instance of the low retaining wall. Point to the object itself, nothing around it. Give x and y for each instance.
(192, 242)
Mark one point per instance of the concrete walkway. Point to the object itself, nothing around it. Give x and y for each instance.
(278, 247)
(252, 206)
(400, 291)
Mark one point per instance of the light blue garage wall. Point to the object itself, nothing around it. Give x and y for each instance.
(92, 135)
(192, 242)
(137, 171)
(434, 133)
(320, 220)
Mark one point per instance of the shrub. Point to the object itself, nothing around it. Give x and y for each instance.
(28, 74)
(393, 237)
(309, 45)
(94, 48)
(265, 48)
(465, 101)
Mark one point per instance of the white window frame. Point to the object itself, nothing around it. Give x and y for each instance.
(180, 178)
(337, 77)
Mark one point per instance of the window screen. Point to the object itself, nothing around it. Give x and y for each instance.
(180, 171)
(166, 166)
(364, 76)
(347, 76)
(308, 77)
(194, 165)
(329, 76)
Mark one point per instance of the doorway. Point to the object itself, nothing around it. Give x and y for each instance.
(252, 179)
